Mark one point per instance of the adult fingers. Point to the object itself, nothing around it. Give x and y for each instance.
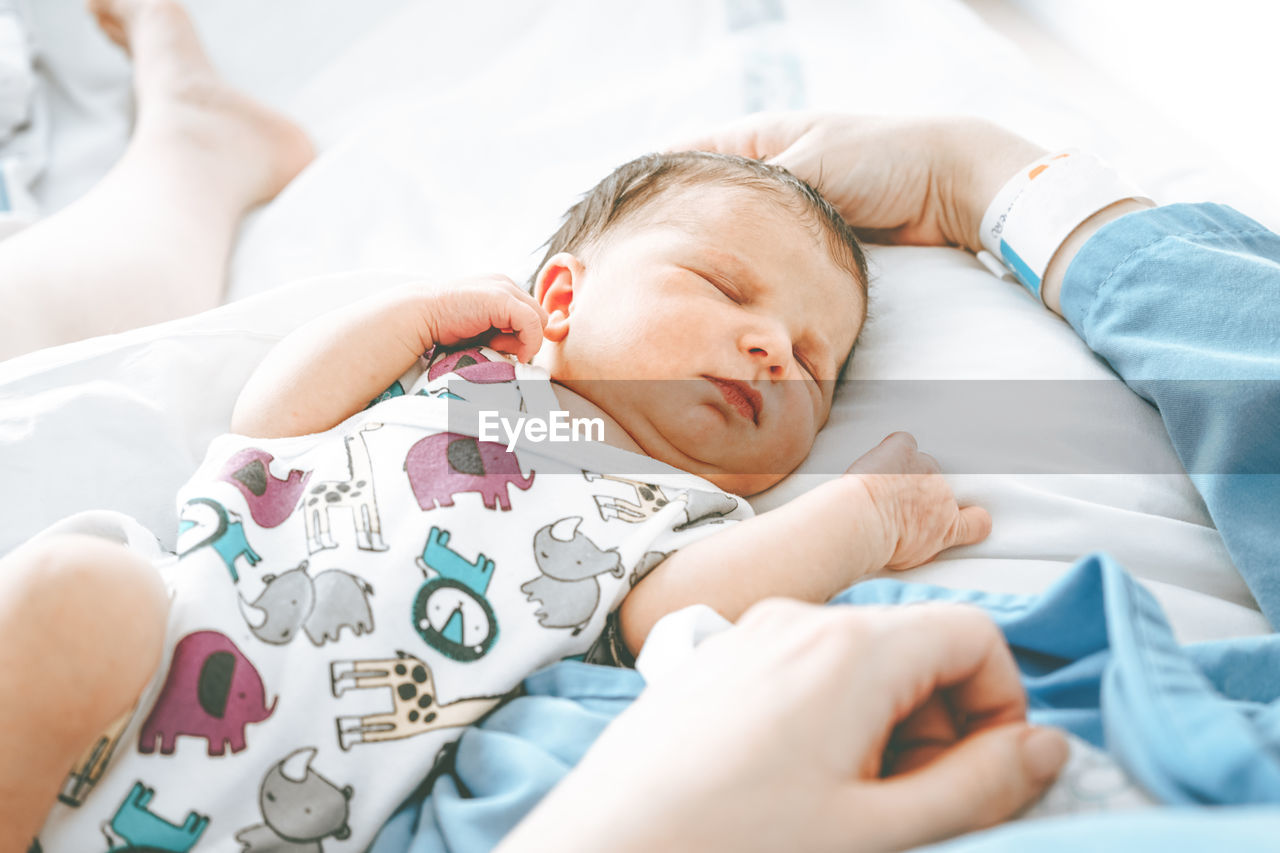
(985, 778)
(953, 647)
(761, 136)
(918, 739)
(811, 157)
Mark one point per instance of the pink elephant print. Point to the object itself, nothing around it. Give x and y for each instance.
(270, 498)
(443, 465)
(212, 691)
(471, 364)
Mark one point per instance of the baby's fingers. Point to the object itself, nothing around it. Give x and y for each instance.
(894, 455)
(972, 525)
(519, 329)
(525, 297)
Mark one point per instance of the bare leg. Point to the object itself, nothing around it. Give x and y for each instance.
(150, 241)
(82, 622)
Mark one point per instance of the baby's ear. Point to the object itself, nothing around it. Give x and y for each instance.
(555, 287)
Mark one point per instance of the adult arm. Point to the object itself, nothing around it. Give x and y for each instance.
(914, 181)
(811, 729)
(1183, 302)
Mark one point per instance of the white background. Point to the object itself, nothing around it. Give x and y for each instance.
(1208, 70)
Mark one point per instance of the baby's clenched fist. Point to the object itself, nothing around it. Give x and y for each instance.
(918, 513)
(487, 309)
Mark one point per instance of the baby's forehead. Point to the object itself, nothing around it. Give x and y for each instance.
(702, 205)
(767, 245)
(721, 218)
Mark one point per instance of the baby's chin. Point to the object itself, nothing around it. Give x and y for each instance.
(686, 455)
(745, 485)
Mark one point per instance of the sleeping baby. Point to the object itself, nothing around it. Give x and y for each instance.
(356, 582)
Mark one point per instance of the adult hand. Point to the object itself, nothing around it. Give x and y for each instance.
(923, 181)
(811, 729)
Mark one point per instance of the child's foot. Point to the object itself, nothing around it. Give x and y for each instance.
(180, 92)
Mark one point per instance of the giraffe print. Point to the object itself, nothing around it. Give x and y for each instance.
(414, 709)
(354, 493)
(701, 507)
(650, 499)
(92, 762)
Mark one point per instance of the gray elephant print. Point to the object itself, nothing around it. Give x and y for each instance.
(568, 590)
(300, 808)
(321, 606)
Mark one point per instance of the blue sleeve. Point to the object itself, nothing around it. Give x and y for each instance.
(1184, 303)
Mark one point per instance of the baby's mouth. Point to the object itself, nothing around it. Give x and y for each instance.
(741, 396)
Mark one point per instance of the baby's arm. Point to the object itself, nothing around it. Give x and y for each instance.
(892, 509)
(326, 371)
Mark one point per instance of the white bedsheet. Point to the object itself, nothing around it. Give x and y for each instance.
(454, 137)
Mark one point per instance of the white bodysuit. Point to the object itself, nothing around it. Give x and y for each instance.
(345, 603)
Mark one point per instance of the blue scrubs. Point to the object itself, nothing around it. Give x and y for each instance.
(1184, 303)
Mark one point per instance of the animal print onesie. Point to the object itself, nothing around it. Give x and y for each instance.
(345, 603)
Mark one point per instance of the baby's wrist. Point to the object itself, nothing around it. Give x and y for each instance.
(420, 305)
(871, 535)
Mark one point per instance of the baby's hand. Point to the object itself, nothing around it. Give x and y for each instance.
(490, 310)
(919, 514)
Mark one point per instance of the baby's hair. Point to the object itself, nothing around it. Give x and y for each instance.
(632, 186)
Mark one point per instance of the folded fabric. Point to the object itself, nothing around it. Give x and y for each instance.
(17, 76)
(504, 767)
(23, 121)
(1240, 830)
(1197, 724)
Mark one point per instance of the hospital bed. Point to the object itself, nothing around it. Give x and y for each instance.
(452, 137)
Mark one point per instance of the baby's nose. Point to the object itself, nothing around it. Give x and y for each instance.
(764, 358)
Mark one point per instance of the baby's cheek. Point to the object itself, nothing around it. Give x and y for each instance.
(793, 444)
(807, 427)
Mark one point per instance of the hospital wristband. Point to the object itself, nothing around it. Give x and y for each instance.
(1038, 208)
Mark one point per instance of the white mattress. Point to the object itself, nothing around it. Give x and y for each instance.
(452, 140)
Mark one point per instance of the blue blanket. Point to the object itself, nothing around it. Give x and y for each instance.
(1194, 725)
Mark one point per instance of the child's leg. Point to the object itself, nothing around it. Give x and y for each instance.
(150, 241)
(82, 623)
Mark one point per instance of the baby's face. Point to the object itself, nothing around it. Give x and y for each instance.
(729, 317)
